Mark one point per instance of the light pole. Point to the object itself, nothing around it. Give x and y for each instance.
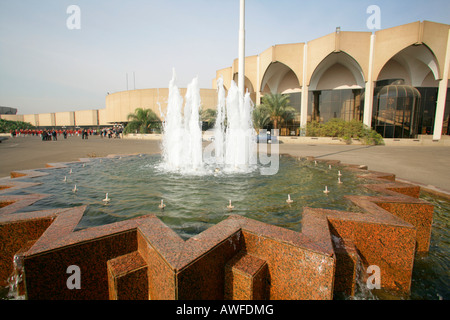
(241, 78)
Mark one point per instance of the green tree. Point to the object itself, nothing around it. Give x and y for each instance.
(278, 108)
(142, 120)
(261, 117)
(209, 116)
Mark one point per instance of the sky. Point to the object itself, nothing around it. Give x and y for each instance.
(47, 67)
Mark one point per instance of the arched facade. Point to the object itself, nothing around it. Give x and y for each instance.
(279, 78)
(340, 74)
(416, 67)
(337, 75)
(335, 89)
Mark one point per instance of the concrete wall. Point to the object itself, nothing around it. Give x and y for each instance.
(11, 117)
(86, 118)
(65, 119)
(47, 119)
(31, 118)
(102, 115)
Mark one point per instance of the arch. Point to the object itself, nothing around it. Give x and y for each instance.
(413, 64)
(279, 78)
(337, 71)
(336, 86)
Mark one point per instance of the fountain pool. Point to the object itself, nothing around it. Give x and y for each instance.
(136, 185)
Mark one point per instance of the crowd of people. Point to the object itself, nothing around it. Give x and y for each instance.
(115, 132)
(53, 134)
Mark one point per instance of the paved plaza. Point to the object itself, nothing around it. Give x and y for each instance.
(426, 165)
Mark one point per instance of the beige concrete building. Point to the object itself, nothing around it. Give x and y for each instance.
(119, 105)
(394, 80)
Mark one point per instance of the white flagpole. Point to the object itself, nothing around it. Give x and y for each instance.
(241, 74)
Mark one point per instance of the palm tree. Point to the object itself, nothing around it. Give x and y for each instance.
(261, 117)
(142, 120)
(278, 108)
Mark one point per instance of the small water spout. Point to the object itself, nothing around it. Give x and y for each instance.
(326, 191)
(107, 199)
(230, 206)
(162, 205)
(65, 179)
(339, 174)
(70, 172)
(289, 201)
(74, 189)
(339, 180)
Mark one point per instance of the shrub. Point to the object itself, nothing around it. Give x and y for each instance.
(345, 130)
(6, 125)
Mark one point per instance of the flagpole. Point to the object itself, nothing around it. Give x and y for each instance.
(241, 74)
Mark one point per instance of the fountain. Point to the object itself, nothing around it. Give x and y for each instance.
(234, 146)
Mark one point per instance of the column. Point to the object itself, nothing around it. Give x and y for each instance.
(442, 95)
(305, 88)
(368, 98)
(258, 84)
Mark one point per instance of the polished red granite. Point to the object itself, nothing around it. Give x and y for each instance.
(245, 278)
(127, 277)
(238, 258)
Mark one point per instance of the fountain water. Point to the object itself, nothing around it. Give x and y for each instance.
(182, 141)
(240, 140)
(234, 143)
